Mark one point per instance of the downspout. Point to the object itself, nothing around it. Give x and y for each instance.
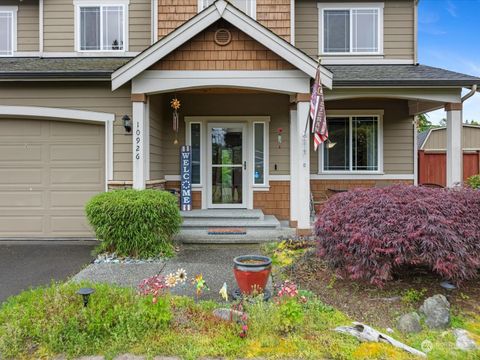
(415, 32)
(472, 91)
(154, 19)
(40, 28)
(415, 150)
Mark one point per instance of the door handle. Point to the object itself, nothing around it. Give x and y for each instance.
(244, 165)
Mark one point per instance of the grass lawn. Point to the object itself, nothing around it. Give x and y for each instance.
(46, 322)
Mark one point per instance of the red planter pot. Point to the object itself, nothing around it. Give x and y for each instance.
(252, 272)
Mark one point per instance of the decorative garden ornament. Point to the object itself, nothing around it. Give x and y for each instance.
(223, 291)
(175, 105)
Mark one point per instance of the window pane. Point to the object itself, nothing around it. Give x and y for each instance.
(6, 30)
(195, 141)
(90, 28)
(245, 5)
(207, 3)
(336, 30)
(337, 149)
(365, 30)
(112, 27)
(365, 143)
(259, 171)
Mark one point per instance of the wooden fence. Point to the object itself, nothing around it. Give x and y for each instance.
(432, 166)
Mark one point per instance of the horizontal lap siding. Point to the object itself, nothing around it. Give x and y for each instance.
(398, 28)
(273, 14)
(437, 139)
(156, 139)
(242, 53)
(59, 25)
(82, 96)
(397, 133)
(27, 25)
(275, 106)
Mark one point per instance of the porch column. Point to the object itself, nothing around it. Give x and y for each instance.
(293, 167)
(139, 143)
(302, 153)
(454, 144)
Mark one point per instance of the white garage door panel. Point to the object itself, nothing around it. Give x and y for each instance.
(30, 225)
(21, 199)
(20, 152)
(48, 171)
(19, 177)
(80, 176)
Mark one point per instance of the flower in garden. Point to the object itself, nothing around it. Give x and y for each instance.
(289, 289)
(223, 292)
(171, 280)
(181, 276)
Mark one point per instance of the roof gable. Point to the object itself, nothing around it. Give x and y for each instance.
(220, 9)
(203, 53)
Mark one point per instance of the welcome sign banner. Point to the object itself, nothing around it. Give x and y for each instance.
(186, 178)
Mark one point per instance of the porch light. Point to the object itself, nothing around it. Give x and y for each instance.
(85, 293)
(127, 123)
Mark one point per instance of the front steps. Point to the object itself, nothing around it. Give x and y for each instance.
(231, 226)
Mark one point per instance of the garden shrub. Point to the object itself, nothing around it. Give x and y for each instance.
(474, 182)
(368, 234)
(138, 223)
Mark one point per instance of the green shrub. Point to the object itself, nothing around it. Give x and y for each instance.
(53, 320)
(139, 223)
(474, 181)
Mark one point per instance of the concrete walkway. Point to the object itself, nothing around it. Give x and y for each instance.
(215, 262)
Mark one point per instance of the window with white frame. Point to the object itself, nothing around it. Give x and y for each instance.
(351, 29)
(102, 26)
(354, 144)
(8, 24)
(247, 6)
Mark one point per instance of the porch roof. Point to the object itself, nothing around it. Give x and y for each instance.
(219, 9)
(398, 75)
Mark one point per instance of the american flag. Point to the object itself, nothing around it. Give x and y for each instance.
(317, 112)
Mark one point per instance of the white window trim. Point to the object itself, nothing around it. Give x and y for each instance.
(14, 11)
(253, 8)
(266, 156)
(350, 6)
(352, 113)
(124, 3)
(188, 141)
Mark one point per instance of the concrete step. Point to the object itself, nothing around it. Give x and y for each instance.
(268, 222)
(252, 236)
(223, 214)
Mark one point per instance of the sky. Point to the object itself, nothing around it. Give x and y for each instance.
(449, 38)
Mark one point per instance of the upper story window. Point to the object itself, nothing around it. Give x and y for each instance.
(247, 6)
(351, 28)
(8, 30)
(101, 25)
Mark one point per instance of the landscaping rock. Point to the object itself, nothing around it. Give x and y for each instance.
(228, 314)
(437, 312)
(464, 341)
(409, 323)
(129, 357)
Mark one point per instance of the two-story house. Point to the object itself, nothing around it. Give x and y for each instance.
(86, 90)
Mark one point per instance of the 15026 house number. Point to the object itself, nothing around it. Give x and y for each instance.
(138, 140)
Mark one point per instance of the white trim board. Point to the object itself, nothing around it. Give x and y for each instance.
(362, 177)
(218, 10)
(58, 114)
(280, 81)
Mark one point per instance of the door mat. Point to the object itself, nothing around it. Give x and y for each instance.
(227, 231)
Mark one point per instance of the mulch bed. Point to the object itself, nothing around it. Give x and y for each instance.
(379, 307)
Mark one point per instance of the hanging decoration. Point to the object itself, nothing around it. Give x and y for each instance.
(279, 137)
(175, 105)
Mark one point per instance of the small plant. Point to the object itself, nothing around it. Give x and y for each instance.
(291, 314)
(159, 285)
(412, 296)
(474, 182)
(135, 223)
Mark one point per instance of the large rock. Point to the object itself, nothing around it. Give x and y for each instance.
(228, 314)
(437, 312)
(409, 323)
(464, 341)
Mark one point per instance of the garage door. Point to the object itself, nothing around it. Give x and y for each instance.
(48, 171)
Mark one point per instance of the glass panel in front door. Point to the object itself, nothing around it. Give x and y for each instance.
(227, 165)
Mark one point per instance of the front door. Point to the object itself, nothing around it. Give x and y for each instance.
(227, 165)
